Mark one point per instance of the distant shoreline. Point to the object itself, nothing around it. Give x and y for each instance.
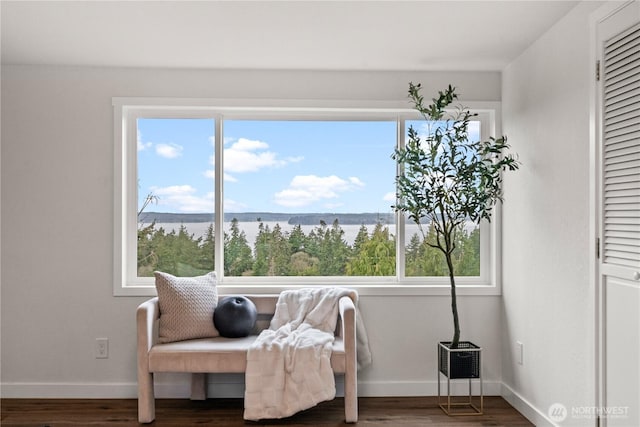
(289, 218)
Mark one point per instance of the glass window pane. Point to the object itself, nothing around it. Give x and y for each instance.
(309, 198)
(175, 196)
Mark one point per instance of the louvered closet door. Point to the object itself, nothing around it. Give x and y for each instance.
(621, 191)
(620, 216)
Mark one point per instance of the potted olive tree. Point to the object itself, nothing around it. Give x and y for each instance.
(447, 181)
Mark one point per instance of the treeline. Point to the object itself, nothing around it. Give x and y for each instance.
(321, 252)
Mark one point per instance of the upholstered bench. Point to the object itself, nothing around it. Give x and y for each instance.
(229, 355)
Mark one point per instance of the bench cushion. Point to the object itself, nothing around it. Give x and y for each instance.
(217, 355)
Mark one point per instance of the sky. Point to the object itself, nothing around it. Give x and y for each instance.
(269, 166)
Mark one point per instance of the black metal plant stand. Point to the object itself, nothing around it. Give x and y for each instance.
(463, 362)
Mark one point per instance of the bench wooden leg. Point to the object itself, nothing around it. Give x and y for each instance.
(198, 386)
(146, 398)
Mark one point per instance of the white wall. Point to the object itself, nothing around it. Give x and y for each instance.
(57, 223)
(547, 289)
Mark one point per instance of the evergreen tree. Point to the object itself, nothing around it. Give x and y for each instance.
(312, 242)
(186, 250)
(412, 255)
(279, 253)
(206, 255)
(238, 258)
(162, 244)
(468, 261)
(431, 262)
(361, 238)
(147, 258)
(302, 264)
(333, 250)
(261, 249)
(297, 239)
(376, 257)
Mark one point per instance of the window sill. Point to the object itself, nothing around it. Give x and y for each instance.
(386, 289)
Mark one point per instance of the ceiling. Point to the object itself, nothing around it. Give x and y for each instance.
(296, 35)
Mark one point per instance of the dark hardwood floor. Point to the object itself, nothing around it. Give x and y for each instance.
(378, 411)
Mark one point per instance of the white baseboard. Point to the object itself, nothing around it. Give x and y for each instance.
(163, 390)
(425, 388)
(522, 405)
(68, 390)
(227, 388)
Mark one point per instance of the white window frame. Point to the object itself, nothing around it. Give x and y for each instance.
(127, 110)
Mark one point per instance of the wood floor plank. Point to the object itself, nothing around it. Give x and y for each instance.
(377, 411)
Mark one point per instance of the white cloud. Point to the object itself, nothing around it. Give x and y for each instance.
(304, 190)
(228, 178)
(142, 145)
(389, 197)
(356, 181)
(211, 173)
(169, 151)
(245, 155)
(244, 144)
(183, 198)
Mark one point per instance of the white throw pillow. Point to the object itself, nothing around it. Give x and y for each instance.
(186, 306)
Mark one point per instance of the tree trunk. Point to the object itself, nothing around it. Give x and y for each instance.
(454, 303)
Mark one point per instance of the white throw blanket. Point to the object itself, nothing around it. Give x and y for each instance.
(289, 364)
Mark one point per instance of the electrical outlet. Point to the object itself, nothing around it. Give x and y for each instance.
(519, 352)
(102, 348)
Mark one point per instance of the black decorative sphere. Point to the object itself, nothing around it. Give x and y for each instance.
(235, 316)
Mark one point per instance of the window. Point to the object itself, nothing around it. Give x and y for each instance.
(175, 197)
(302, 195)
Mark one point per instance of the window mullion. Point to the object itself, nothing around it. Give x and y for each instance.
(399, 217)
(219, 195)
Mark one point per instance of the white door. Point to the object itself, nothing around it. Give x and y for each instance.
(618, 109)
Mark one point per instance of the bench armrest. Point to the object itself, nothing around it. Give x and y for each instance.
(146, 315)
(347, 311)
(347, 329)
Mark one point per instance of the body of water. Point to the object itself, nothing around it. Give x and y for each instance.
(250, 229)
